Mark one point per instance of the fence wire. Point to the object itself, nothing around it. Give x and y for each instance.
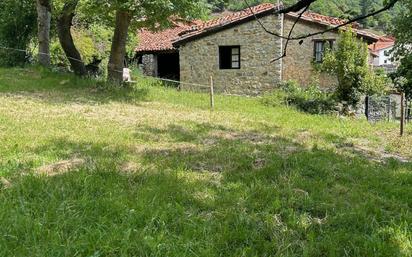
(197, 86)
(386, 108)
(376, 108)
(97, 66)
(27, 52)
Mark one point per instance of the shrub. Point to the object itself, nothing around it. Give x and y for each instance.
(92, 43)
(17, 26)
(310, 99)
(349, 62)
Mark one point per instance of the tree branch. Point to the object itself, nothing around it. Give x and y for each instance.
(261, 23)
(305, 4)
(290, 34)
(362, 17)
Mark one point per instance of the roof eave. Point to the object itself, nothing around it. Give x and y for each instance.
(153, 51)
(205, 33)
(359, 33)
(212, 30)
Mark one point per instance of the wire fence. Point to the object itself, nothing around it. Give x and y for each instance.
(199, 87)
(386, 108)
(178, 83)
(27, 52)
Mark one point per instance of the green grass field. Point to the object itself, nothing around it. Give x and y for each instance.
(149, 171)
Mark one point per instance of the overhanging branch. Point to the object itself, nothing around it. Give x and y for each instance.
(304, 5)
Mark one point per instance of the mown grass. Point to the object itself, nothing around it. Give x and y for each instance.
(161, 175)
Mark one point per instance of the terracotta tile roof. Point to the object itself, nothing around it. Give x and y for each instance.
(383, 43)
(230, 19)
(332, 21)
(150, 41)
(163, 40)
(181, 32)
(366, 34)
(322, 19)
(236, 16)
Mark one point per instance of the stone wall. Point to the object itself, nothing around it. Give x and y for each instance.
(199, 59)
(297, 65)
(149, 65)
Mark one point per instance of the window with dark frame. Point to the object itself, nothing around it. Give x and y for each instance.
(229, 57)
(320, 48)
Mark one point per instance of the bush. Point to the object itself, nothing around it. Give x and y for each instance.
(310, 99)
(93, 44)
(349, 62)
(18, 23)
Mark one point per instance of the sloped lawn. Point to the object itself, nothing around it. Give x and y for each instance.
(150, 171)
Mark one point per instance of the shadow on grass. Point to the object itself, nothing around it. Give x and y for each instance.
(209, 191)
(63, 88)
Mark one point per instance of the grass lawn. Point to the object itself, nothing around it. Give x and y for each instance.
(151, 171)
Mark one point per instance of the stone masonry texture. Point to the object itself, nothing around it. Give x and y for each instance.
(199, 59)
(298, 64)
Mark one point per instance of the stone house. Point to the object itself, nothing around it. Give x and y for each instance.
(238, 53)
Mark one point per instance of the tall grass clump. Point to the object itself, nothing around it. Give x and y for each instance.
(311, 99)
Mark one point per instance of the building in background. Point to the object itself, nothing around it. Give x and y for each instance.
(382, 52)
(239, 54)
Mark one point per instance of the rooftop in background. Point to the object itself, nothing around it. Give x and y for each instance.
(383, 43)
(185, 31)
(153, 41)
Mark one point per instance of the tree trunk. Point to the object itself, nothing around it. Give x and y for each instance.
(118, 50)
(43, 24)
(64, 24)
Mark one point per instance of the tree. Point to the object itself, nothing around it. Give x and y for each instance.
(349, 62)
(17, 27)
(403, 49)
(153, 14)
(64, 24)
(43, 31)
(402, 77)
(118, 49)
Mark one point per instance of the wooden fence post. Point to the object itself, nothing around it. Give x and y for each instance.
(212, 94)
(402, 113)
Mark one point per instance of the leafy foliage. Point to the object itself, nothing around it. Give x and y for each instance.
(403, 50)
(403, 76)
(311, 99)
(92, 43)
(349, 62)
(145, 13)
(17, 26)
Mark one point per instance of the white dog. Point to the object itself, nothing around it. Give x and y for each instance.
(126, 75)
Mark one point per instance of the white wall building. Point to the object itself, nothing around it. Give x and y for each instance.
(381, 51)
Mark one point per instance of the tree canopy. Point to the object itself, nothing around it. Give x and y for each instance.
(403, 49)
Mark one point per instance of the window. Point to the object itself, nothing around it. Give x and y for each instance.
(320, 48)
(229, 57)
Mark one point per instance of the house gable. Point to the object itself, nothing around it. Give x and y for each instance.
(201, 58)
(298, 64)
(248, 50)
(261, 11)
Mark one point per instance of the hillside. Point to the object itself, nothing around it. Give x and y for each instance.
(336, 8)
